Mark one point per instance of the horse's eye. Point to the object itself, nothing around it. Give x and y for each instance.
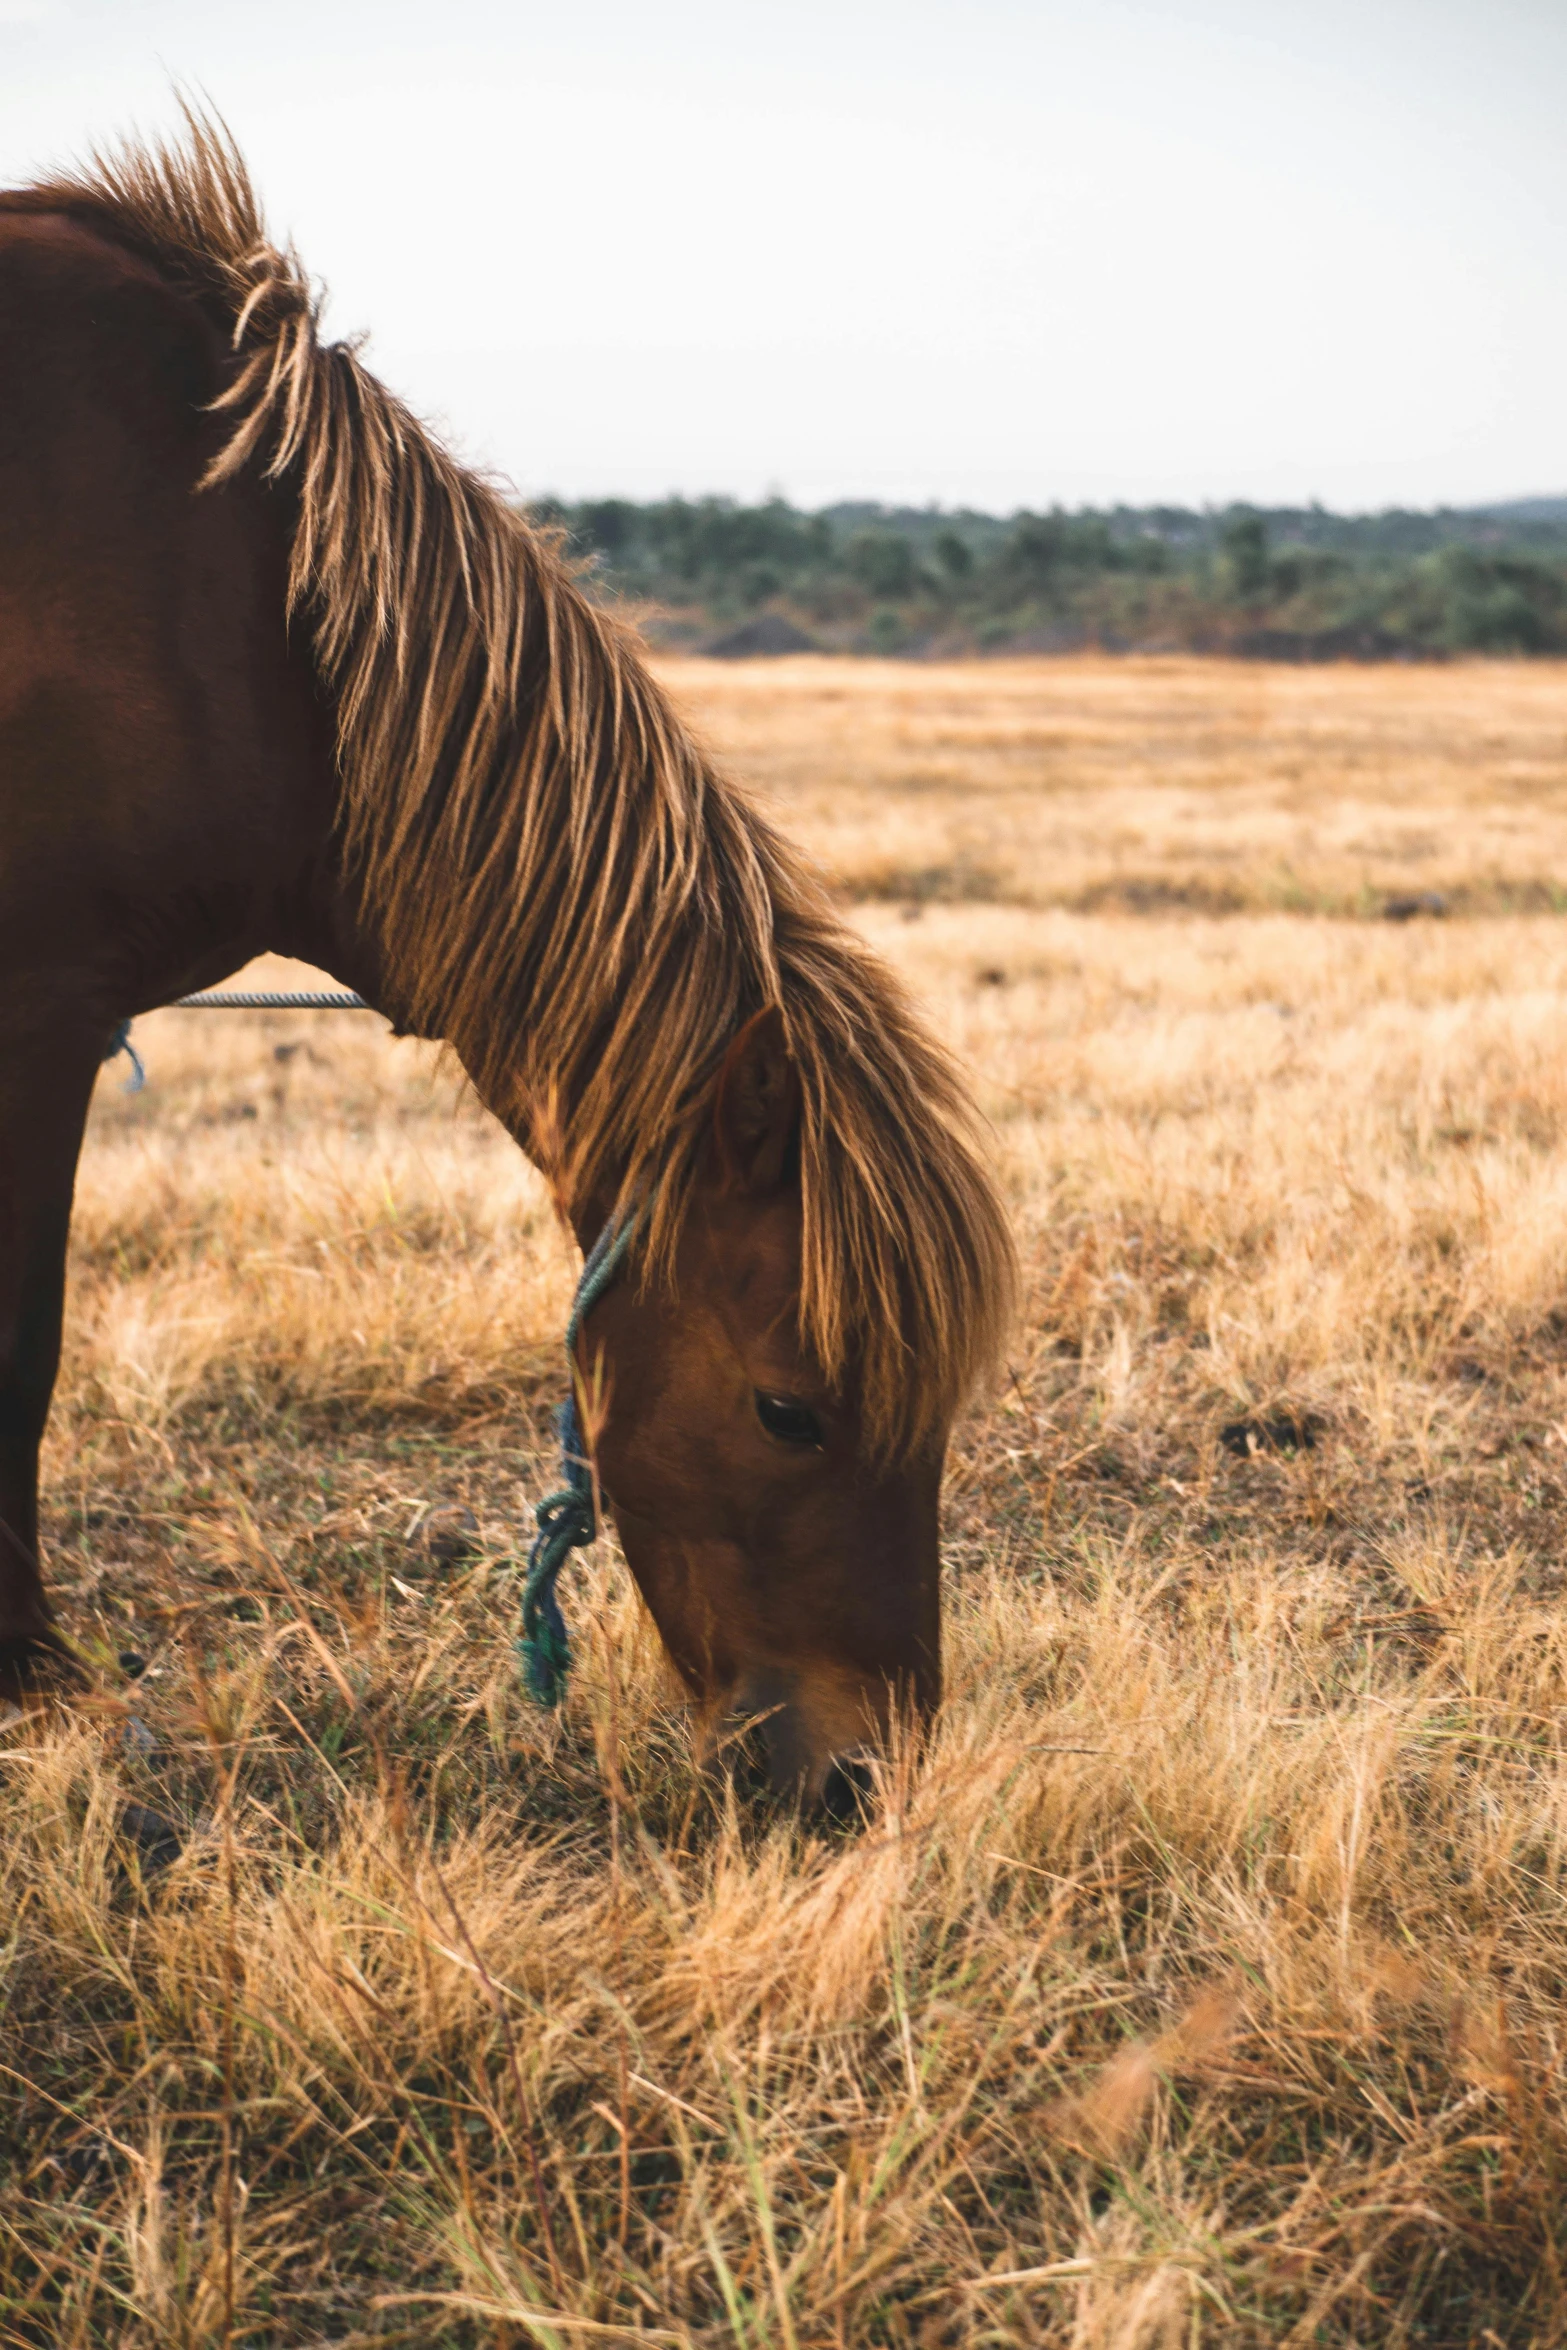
(790, 1422)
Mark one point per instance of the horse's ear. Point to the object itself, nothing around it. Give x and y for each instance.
(756, 1109)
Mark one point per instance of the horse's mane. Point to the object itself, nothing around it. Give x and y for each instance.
(567, 889)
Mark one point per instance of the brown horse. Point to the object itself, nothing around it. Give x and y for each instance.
(277, 673)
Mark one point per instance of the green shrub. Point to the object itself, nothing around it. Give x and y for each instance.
(1244, 545)
(882, 562)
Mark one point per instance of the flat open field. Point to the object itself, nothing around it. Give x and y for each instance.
(1158, 784)
(1205, 1980)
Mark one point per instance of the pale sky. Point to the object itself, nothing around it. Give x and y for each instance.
(1004, 253)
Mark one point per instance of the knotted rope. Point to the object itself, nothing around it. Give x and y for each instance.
(566, 1519)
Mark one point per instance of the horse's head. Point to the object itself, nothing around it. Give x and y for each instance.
(791, 1566)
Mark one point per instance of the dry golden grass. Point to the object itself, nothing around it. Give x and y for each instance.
(1158, 781)
(1203, 1982)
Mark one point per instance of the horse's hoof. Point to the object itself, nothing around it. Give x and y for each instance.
(37, 1665)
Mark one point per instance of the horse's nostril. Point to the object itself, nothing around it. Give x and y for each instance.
(848, 1790)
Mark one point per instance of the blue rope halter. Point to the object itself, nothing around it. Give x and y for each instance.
(120, 1042)
(565, 1519)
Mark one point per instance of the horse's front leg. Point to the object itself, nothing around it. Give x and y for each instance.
(47, 1068)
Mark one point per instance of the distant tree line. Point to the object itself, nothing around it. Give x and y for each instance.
(1288, 582)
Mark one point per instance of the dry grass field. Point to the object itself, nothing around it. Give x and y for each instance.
(1155, 785)
(1204, 1981)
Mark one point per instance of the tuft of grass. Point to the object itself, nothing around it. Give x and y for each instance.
(1201, 1980)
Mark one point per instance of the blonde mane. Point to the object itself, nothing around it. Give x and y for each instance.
(567, 889)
